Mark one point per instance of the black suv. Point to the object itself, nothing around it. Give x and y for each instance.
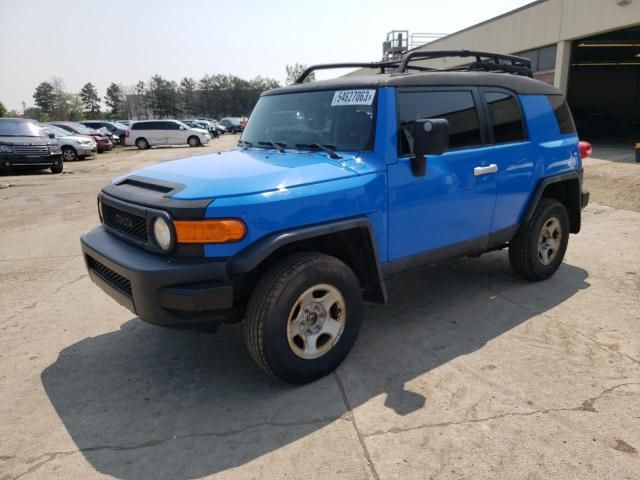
(24, 144)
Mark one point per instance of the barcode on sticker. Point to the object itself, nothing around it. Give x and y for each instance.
(353, 97)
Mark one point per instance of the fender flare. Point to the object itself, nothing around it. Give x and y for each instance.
(252, 256)
(544, 183)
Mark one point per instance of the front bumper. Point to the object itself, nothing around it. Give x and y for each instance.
(86, 151)
(44, 161)
(161, 290)
(104, 146)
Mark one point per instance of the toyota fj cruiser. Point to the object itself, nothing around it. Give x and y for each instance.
(334, 186)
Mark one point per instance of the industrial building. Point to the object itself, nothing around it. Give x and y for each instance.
(590, 49)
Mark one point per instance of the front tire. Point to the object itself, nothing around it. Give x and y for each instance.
(537, 250)
(69, 154)
(142, 144)
(57, 168)
(193, 141)
(303, 317)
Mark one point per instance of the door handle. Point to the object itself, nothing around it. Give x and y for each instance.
(493, 168)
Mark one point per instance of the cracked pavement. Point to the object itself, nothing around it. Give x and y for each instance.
(468, 373)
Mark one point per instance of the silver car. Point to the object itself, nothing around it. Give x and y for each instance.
(73, 146)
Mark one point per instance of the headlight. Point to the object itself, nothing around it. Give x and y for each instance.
(162, 233)
(54, 149)
(6, 149)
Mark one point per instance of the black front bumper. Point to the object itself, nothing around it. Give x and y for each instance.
(161, 290)
(29, 161)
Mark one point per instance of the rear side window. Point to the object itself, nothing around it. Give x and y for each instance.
(562, 113)
(139, 126)
(458, 107)
(505, 117)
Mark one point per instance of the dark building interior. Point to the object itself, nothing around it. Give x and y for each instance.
(604, 85)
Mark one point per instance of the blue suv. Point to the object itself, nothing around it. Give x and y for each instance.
(336, 185)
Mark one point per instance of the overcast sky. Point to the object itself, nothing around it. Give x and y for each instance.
(126, 41)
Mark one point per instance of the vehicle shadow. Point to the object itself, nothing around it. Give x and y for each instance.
(146, 402)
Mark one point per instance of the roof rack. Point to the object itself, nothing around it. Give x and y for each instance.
(381, 65)
(484, 61)
(324, 66)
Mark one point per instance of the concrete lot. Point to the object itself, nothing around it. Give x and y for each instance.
(468, 373)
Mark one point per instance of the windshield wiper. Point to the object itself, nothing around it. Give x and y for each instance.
(279, 146)
(325, 148)
(245, 144)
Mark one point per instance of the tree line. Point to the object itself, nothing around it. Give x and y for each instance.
(212, 96)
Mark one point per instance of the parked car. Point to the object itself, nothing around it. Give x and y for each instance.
(25, 145)
(73, 147)
(335, 186)
(232, 124)
(118, 130)
(103, 142)
(148, 133)
(218, 128)
(126, 123)
(204, 124)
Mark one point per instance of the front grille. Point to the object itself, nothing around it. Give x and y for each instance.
(31, 149)
(125, 222)
(114, 279)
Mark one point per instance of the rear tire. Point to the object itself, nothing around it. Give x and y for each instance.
(193, 141)
(303, 317)
(537, 250)
(142, 143)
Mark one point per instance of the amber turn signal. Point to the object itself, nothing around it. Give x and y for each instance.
(209, 231)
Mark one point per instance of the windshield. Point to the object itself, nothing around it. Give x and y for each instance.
(339, 119)
(20, 128)
(57, 131)
(78, 128)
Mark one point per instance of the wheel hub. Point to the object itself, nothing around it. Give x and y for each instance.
(316, 321)
(549, 240)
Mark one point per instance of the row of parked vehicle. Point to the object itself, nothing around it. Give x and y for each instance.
(28, 144)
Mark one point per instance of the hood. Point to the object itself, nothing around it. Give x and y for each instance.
(28, 141)
(76, 138)
(244, 172)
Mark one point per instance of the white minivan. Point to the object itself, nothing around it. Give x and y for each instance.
(147, 133)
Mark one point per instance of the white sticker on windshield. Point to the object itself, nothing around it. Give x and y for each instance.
(353, 97)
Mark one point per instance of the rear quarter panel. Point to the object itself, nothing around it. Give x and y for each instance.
(547, 153)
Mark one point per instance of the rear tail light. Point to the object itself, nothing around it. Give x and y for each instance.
(585, 149)
(127, 133)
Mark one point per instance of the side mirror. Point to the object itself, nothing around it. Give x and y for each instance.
(430, 137)
(52, 135)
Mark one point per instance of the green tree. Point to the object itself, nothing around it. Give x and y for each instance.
(61, 100)
(44, 97)
(141, 107)
(113, 99)
(90, 100)
(3, 110)
(163, 96)
(76, 106)
(188, 96)
(295, 70)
